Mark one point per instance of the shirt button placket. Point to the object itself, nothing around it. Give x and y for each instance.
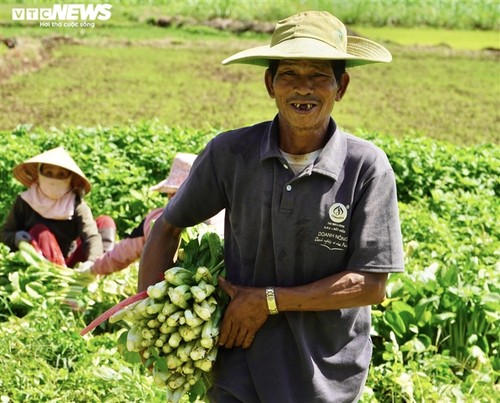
(287, 199)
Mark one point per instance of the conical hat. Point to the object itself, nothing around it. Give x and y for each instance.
(181, 166)
(27, 172)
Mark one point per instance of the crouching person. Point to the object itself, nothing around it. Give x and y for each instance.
(52, 214)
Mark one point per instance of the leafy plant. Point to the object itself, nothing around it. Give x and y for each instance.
(439, 326)
(435, 337)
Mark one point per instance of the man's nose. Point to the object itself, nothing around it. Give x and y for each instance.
(304, 85)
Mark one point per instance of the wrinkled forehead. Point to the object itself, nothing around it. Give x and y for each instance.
(310, 64)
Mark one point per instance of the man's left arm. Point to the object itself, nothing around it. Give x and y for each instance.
(348, 289)
(248, 309)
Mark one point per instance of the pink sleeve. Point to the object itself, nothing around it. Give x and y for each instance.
(122, 255)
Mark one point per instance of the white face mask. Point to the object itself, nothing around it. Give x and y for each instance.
(54, 188)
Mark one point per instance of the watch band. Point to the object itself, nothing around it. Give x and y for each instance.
(271, 301)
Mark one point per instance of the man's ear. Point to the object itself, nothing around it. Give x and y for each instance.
(342, 87)
(268, 79)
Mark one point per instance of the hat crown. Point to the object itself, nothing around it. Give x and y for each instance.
(181, 165)
(318, 25)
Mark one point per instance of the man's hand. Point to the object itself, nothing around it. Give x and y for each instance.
(244, 315)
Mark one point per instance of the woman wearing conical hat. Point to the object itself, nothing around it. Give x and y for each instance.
(52, 214)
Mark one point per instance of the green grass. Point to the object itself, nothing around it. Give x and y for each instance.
(456, 39)
(179, 80)
(440, 94)
(126, 69)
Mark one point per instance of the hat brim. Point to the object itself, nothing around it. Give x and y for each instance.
(164, 187)
(181, 166)
(27, 172)
(359, 51)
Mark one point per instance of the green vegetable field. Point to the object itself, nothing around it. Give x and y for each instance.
(436, 336)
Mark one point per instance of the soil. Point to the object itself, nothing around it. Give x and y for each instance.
(27, 55)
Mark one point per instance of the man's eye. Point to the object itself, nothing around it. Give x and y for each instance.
(323, 78)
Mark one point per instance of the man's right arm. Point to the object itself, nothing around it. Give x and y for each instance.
(159, 252)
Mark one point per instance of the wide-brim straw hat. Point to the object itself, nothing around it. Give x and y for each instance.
(27, 172)
(316, 35)
(181, 165)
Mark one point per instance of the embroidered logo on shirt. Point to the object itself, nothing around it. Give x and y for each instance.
(334, 235)
(338, 213)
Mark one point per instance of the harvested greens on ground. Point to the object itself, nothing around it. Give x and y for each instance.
(29, 281)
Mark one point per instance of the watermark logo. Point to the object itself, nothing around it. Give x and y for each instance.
(67, 15)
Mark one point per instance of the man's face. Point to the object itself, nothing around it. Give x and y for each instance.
(305, 92)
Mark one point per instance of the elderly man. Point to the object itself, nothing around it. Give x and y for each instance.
(311, 227)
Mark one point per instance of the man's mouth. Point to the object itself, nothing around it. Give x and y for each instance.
(303, 107)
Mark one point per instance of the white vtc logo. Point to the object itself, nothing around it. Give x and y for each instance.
(71, 12)
(338, 213)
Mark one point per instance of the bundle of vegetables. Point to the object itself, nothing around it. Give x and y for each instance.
(174, 326)
(28, 280)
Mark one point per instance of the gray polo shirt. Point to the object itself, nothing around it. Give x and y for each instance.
(285, 230)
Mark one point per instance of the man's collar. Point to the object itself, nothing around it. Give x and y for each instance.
(330, 160)
(270, 142)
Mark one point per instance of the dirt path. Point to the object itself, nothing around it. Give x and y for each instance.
(28, 54)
